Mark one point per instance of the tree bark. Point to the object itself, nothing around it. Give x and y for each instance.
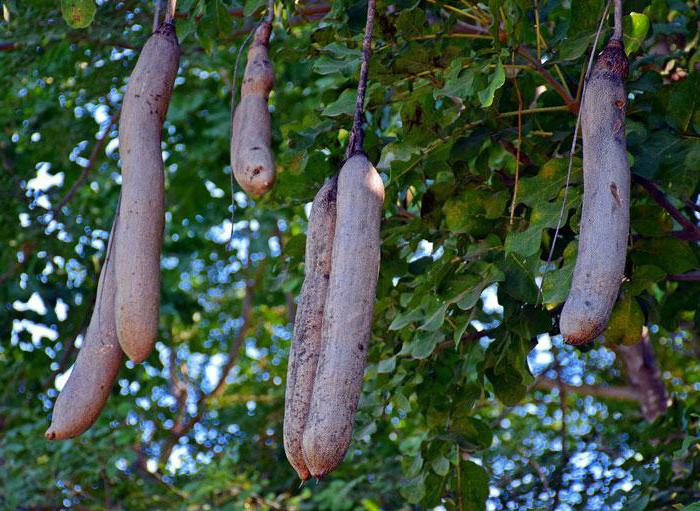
(643, 375)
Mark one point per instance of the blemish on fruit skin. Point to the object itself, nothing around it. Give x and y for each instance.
(616, 194)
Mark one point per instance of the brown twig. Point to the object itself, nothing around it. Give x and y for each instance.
(617, 33)
(170, 11)
(356, 134)
(156, 14)
(92, 162)
(613, 392)
(548, 77)
(691, 276)
(233, 353)
(270, 11)
(470, 337)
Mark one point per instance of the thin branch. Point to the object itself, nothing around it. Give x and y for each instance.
(270, 11)
(356, 135)
(233, 353)
(548, 77)
(615, 393)
(470, 337)
(92, 162)
(691, 276)
(309, 12)
(661, 199)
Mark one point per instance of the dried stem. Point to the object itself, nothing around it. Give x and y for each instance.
(156, 14)
(617, 34)
(270, 11)
(170, 12)
(356, 135)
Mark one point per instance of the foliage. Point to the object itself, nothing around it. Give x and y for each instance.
(449, 415)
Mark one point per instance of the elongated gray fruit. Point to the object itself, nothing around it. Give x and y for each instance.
(96, 367)
(347, 317)
(140, 230)
(251, 155)
(602, 245)
(306, 338)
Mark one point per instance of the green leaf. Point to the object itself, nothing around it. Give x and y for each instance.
(684, 103)
(472, 433)
(414, 489)
(78, 13)
(459, 82)
(642, 278)
(670, 254)
(507, 385)
(519, 282)
(440, 465)
(572, 48)
(475, 486)
(424, 343)
(411, 22)
(636, 26)
(626, 322)
(344, 105)
(495, 82)
(549, 181)
(556, 284)
(471, 211)
(251, 6)
(325, 65)
(435, 317)
(406, 318)
(387, 365)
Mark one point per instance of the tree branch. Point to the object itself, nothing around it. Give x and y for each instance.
(549, 78)
(92, 162)
(643, 376)
(8, 45)
(183, 428)
(691, 276)
(614, 392)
